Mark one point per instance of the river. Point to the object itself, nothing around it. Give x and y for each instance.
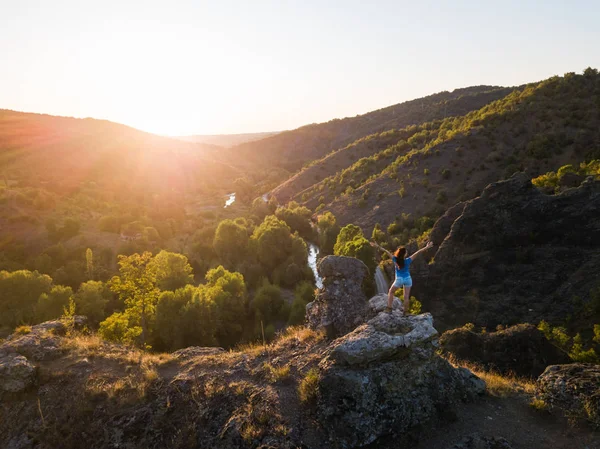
(313, 250)
(230, 199)
(313, 255)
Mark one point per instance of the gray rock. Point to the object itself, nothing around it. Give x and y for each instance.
(573, 389)
(341, 305)
(384, 379)
(16, 374)
(196, 351)
(378, 303)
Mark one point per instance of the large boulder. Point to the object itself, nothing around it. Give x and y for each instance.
(43, 341)
(520, 349)
(573, 389)
(514, 255)
(384, 380)
(341, 305)
(16, 374)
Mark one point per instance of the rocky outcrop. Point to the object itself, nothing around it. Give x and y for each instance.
(16, 374)
(341, 304)
(520, 349)
(514, 255)
(384, 379)
(41, 342)
(573, 389)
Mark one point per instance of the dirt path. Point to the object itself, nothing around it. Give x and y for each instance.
(511, 418)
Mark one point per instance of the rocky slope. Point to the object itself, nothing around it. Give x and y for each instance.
(382, 381)
(515, 254)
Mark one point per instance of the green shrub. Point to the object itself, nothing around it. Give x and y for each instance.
(309, 386)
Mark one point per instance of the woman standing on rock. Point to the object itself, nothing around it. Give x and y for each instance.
(403, 279)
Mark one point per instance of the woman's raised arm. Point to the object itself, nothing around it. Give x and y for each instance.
(416, 253)
(375, 245)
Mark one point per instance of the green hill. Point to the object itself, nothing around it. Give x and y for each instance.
(425, 168)
(292, 149)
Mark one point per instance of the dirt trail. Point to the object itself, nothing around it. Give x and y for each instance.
(513, 419)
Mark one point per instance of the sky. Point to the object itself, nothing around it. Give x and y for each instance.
(216, 67)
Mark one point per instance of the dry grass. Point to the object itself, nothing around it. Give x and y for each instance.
(275, 374)
(300, 334)
(23, 330)
(499, 385)
(538, 404)
(309, 386)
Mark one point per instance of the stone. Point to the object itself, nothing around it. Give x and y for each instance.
(573, 389)
(16, 374)
(378, 303)
(196, 351)
(340, 305)
(385, 379)
(520, 349)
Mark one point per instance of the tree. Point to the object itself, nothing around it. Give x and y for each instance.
(244, 190)
(352, 243)
(137, 288)
(172, 270)
(268, 302)
(231, 241)
(276, 247)
(19, 293)
(199, 320)
(297, 218)
(169, 328)
(91, 300)
(303, 294)
(120, 328)
(50, 305)
(328, 231)
(89, 263)
(228, 292)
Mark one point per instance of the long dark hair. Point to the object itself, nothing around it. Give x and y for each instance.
(400, 254)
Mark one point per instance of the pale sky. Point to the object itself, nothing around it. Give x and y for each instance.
(208, 67)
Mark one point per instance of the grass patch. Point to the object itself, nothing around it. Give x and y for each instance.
(23, 330)
(276, 373)
(499, 385)
(538, 404)
(309, 386)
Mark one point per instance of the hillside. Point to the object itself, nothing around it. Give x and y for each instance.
(226, 140)
(292, 149)
(343, 158)
(63, 152)
(537, 128)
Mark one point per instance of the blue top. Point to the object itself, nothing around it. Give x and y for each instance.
(402, 272)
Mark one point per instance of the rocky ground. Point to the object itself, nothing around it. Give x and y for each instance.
(381, 385)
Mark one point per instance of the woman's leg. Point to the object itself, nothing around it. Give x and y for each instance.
(406, 299)
(391, 296)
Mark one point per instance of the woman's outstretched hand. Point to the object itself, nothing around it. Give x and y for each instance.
(429, 245)
(373, 244)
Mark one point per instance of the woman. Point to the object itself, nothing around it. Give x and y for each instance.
(403, 279)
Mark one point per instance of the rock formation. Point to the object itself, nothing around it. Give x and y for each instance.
(573, 389)
(514, 255)
(520, 349)
(384, 379)
(341, 304)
